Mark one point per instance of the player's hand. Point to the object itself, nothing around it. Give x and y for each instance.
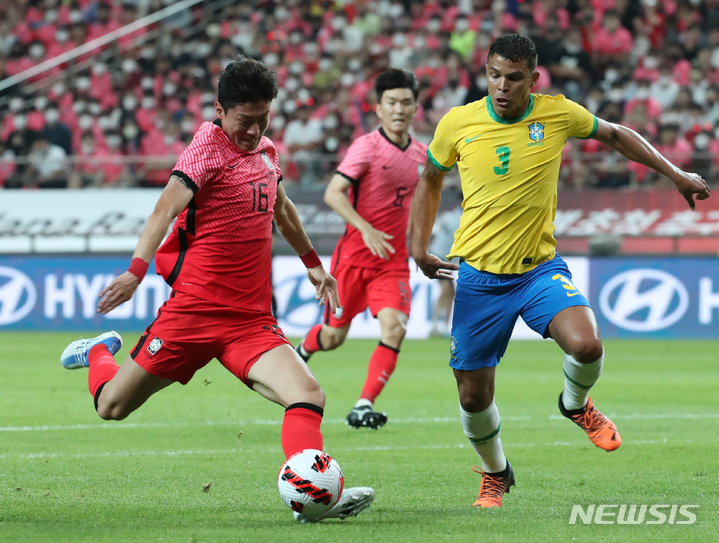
(434, 267)
(375, 240)
(326, 286)
(118, 292)
(689, 184)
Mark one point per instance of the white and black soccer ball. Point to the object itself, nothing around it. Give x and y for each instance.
(310, 482)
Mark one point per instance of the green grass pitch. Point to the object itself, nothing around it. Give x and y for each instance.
(198, 463)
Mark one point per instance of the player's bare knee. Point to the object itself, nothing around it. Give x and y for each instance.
(333, 341)
(393, 334)
(474, 403)
(588, 350)
(314, 394)
(109, 410)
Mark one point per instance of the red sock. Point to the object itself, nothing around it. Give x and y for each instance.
(102, 368)
(381, 366)
(301, 428)
(311, 343)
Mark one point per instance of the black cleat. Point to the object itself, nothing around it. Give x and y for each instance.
(365, 417)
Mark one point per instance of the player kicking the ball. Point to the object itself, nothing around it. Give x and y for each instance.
(225, 190)
(508, 147)
(379, 173)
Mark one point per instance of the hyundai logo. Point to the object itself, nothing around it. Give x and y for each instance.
(644, 300)
(17, 295)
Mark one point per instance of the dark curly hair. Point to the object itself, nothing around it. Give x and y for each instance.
(395, 78)
(515, 48)
(246, 80)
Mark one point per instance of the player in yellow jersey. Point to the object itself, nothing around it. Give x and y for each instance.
(508, 148)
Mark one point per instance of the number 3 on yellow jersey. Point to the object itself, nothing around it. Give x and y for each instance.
(503, 154)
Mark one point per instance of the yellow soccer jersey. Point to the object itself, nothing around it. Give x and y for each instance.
(509, 171)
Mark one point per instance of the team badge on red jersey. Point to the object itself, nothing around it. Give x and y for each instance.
(267, 160)
(154, 346)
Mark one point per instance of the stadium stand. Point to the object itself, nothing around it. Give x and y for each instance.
(119, 114)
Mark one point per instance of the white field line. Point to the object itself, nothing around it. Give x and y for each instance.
(274, 422)
(278, 421)
(273, 450)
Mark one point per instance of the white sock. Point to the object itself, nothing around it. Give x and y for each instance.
(578, 379)
(483, 429)
(363, 402)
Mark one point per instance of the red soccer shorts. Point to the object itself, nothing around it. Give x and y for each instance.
(362, 287)
(189, 332)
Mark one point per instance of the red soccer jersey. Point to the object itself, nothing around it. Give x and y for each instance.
(384, 177)
(219, 247)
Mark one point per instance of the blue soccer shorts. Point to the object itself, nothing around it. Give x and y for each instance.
(486, 307)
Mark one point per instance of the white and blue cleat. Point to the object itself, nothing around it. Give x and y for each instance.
(75, 355)
(351, 503)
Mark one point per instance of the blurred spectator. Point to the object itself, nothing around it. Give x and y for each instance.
(19, 143)
(549, 43)
(47, 165)
(674, 147)
(462, 39)
(612, 41)
(664, 90)
(571, 66)
(99, 166)
(162, 147)
(56, 132)
(302, 138)
(643, 95)
(7, 166)
(701, 157)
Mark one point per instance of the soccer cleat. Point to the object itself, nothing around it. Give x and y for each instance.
(351, 503)
(365, 417)
(300, 350)
(493, 486)
(599, 428)
(75, 355)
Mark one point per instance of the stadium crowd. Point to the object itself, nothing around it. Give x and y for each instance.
(651, 65)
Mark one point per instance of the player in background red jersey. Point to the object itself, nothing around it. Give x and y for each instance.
(224, 191)
(372, 191)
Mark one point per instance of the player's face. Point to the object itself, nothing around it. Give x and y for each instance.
(245, 123)
(397, 109)
(509, 84)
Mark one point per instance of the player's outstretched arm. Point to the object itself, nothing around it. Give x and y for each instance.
(636, 148)
(424, 211)
(290, 226)
(335, 197)
(172, 201)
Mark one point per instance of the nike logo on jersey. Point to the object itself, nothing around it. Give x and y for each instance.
(386, 167)
(230, 167)
(467, 140)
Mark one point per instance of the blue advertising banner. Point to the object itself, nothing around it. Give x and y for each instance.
(655, 298)
(632, 297)
(61, 293)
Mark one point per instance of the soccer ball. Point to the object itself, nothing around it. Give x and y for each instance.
(310, 482)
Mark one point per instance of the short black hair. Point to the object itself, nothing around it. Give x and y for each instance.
(246, 80)
(515, 48)
(396, 78)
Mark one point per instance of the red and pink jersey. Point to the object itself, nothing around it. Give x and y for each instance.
(219, 247)
(384, 177)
